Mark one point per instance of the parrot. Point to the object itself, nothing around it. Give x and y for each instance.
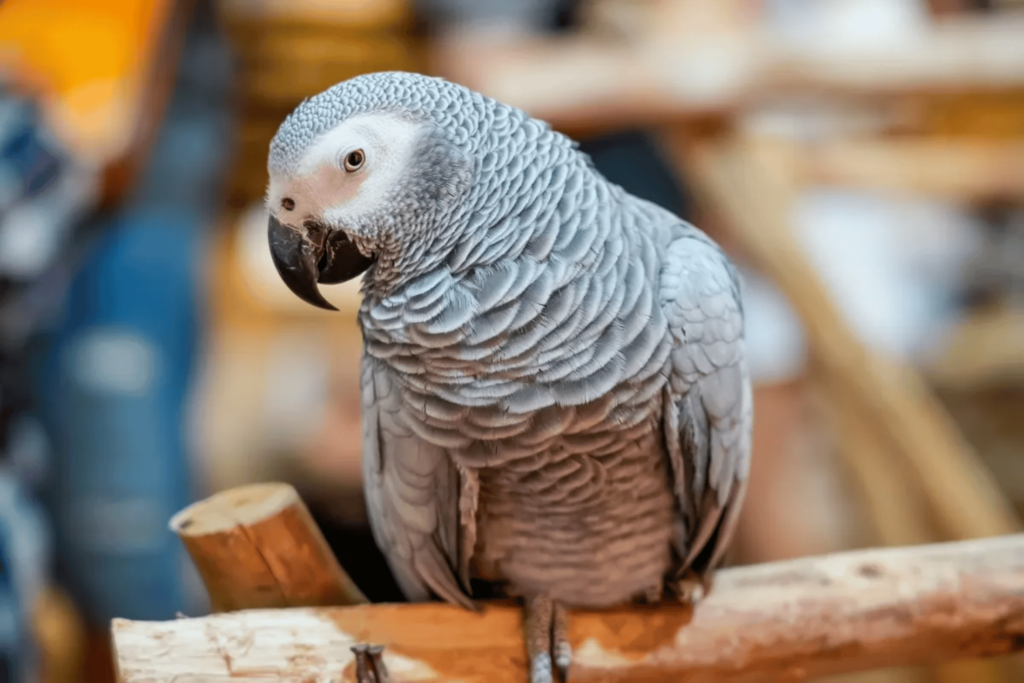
(556, 406)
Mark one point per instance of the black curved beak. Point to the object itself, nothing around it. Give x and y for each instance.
(306, 257)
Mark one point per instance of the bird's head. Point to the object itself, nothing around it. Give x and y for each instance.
(361, 175)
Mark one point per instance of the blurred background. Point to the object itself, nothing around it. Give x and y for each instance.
(862, 160)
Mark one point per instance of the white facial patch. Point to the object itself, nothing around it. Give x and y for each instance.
(323, 189)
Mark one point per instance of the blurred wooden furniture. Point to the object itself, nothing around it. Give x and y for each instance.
(291, 49)
(278, 365)
(985, 350)
(740, 181)
(656, 63)
(767, 622)
(275, 364)
(971, 170)
(59, 631)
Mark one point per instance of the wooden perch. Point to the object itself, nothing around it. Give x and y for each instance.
(787, 621)
(257, 546)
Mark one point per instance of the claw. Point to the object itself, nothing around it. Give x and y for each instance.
(540, 668)
(364, 671)
(693, 587)
(370, 664)
(377, 661)
(560, 646)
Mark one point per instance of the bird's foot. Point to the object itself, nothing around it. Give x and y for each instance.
(560, 639)
(692, 587)
(370, 664)
(546, 628)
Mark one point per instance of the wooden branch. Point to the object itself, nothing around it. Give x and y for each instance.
(739, 180)
(782, 621)
(257, 546)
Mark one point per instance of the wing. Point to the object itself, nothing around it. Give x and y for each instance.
(421, 507)
(708, 409)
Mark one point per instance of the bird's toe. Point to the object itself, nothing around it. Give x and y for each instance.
(370, 666)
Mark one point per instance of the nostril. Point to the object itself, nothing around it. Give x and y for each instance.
(316, 233)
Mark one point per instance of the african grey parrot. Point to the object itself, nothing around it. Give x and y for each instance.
(555, 395)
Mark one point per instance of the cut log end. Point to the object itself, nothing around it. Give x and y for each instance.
(257, 546)
(245, 505)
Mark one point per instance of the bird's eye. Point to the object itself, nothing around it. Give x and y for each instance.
(354, 160)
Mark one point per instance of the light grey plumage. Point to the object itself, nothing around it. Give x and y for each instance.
(554, 390)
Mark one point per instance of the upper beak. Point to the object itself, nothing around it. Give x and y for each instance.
(305, 257)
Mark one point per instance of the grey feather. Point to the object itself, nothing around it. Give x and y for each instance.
(555, 390)
(413, 496)
(711, 395)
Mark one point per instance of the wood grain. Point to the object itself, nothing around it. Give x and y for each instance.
(783, 621)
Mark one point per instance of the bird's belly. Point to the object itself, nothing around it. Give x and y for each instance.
(588, 530)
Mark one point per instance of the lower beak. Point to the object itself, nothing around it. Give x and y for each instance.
(302, 261)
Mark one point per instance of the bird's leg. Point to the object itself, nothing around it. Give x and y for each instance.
(364, 671)
(547, 639)
(560, 639)
(377, 661)
(370, 664)
(538, 632)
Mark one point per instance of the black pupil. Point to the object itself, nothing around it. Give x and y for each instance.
(355, 158)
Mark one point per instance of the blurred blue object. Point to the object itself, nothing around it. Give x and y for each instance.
(113, 370)
(114, 389)
(29, 166)
(24, 560)
(43, 191)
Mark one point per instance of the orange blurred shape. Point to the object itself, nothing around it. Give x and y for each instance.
(89, 60)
